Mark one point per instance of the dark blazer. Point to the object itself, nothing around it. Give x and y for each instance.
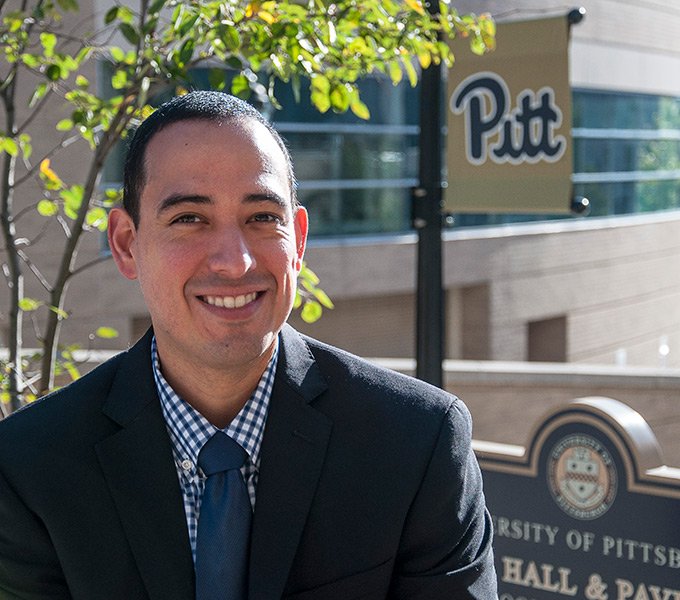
(368, 489)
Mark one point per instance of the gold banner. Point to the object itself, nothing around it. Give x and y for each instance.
(509, 122)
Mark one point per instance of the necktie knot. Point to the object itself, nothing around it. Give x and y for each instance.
(221, 453)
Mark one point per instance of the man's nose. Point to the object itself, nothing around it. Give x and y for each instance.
(229, 253)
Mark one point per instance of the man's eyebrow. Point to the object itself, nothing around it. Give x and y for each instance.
(275, 198)
(175, 199)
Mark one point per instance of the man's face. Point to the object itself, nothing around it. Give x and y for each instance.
(218, 246)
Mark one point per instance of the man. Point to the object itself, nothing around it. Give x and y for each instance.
(361, 482)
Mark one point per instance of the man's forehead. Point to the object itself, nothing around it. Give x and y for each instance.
(245, 128)
(201, 133)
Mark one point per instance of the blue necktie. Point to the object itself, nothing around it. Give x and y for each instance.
(223, 538)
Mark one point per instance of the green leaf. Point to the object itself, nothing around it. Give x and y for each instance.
(53, 73)
(97, 217)
(129, 33)
(216, 79)
(234, 62)
(320, 93)
(113, 197)
(340, 99)
(48, 41)
(395, 72)
(477, 45)
(70, 212)
(125, 14)
(9, 146)
(62, 313)
(14, 20)
(320, 83)
(360, 109)
(311, 311)
(47, 208)
(411, 72)
(119, 80)
(82, 82)
(25, 145)
(156, 6)
(73, 198)
(117, 53)
(84, 54)
(30, 60)
(309, 275)
(68, 5)
(64, 125)
(111, 15)
(187, 51)
(240, 86)
(40, 91)
(187, 25)
(72, 370)
(230, 36)
(28, 304)
(322, 297)
(106, 333)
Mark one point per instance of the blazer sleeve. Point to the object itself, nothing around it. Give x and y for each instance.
(29, 567)
(445, 551)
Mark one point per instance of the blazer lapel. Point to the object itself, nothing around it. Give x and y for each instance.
(293, 450)
(139, 467)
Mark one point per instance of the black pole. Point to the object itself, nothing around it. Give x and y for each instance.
(427, 220)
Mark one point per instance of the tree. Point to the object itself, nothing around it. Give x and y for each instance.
(247, 47)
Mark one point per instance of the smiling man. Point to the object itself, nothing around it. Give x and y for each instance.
(344, 480)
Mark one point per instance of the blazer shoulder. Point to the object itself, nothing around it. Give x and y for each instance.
(52, 418)
(359, 381)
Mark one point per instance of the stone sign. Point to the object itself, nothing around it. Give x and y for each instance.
(586, 510)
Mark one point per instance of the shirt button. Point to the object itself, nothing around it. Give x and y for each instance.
(187, 465)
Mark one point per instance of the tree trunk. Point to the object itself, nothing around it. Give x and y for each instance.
(66, 267)
(15, 280)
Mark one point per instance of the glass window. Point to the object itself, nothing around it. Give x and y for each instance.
(355, 176)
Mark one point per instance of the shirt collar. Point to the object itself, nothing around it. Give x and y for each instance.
(189, 429)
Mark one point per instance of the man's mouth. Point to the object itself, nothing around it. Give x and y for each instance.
(230, 301)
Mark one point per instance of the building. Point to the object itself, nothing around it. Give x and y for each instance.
(600, 290)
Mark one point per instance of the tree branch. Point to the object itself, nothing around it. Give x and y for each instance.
(32, 171)
(92, 263)
(35, 112)
(35, 270)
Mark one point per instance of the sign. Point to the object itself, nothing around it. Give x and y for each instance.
(586, 510)
(509, 122)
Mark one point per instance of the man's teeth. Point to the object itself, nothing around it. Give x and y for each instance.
(231, 301)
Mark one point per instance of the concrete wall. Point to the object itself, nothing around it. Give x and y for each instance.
(614, 281)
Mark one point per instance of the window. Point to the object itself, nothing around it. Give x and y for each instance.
(547, 340)
(355, 176)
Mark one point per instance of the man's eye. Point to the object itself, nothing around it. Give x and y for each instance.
(267, 218)
(186, 219)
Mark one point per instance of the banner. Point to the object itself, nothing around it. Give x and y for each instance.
(508, 147)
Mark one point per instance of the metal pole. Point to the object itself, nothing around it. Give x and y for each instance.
(427, 220)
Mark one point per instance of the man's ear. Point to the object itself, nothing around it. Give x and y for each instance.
(122, 235)
(301, 226)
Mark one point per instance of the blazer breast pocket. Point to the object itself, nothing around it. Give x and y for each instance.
(367, 585)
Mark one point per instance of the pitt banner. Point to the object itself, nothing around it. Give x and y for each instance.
(509, 122)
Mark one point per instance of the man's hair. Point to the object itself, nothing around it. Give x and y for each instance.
(194, 106)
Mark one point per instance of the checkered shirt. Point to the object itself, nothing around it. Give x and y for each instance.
(189, 430)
